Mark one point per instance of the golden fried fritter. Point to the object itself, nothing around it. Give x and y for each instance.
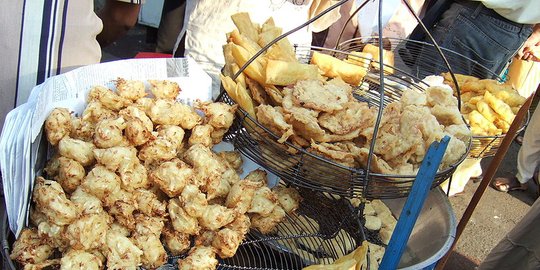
(58, 125)
(164, 89)
(130, 89)
(52, 201)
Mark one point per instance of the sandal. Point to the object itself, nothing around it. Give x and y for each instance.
(505, 184)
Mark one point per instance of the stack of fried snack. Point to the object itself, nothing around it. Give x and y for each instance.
(262, 80)
(134, 177)
(322, 115)
(487, 105)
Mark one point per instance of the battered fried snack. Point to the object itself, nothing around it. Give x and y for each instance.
(177, 243)
(51, 199)
(335, 68)
(58, 125)
(218, 114)
(122, 252)
(30, 248)
(89, 231)
(180, 220)
(108, 98)
(199, 257)
(130, 89)
(164, 89)
(153, 253)
(79, 259)
(172, 176)
(77, 150)
(201, 135)
(193, 200)
(70, 174)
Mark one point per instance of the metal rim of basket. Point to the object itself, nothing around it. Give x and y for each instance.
(348, 219)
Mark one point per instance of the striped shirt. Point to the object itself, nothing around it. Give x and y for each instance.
(43, 38)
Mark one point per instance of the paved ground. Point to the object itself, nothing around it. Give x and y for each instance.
(494, 217)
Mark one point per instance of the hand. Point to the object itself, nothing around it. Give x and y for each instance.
(530, 50)
(532, 53)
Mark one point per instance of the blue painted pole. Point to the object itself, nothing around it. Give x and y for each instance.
(413, 205)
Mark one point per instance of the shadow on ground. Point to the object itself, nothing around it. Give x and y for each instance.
(458, 261)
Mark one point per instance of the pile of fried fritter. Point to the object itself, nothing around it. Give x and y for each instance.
(135, 179)
(312, 105)
(488, 106)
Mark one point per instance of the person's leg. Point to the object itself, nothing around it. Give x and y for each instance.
(520, 248)
(529, 153)
(172, 20)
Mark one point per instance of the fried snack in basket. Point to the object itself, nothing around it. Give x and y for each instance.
(500, 107)
(351, 261)
(286, 73)
(388, 58)
(486, 101)
(239, 94)
(123, 205)
(333, 67)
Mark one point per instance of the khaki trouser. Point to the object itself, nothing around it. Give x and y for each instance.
(520, 248)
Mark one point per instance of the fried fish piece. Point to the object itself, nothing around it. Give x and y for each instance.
(268, 224)
(226, 242)
(119, 158)
(193, 200)
(95, 111)
(241, 195)
(216, 216)
(82, 130)
(160, 149)
(288, 198)
(86, 202)
(58, 125)
(149, 204)
(208, 166)
(218, 114)
(122, 253)
(233, 159)
(154, 254)
(101, 182)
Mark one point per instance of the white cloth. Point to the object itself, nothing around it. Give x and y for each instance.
(206, 23)
(520, 11)
(529, 153)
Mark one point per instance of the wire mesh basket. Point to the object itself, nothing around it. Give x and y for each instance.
(322, 229)
(305, 169)
(421, 59)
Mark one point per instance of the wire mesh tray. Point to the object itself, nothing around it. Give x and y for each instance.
(308, 170)
(323, 228)
(421, 59)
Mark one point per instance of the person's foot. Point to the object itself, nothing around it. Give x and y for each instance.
(505, 184)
